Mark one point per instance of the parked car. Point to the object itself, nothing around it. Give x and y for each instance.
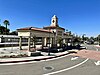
(44, 49)
(77, 46)
(56, 49)
(67, 48)
(80, 47)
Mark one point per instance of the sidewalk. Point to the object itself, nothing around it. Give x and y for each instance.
(32, 58)
(97, 46)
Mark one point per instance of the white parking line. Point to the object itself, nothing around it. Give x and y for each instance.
(67, 68)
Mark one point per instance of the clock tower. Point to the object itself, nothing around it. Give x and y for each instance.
(54, 21)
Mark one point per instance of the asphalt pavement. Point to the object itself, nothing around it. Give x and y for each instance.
(64, 65)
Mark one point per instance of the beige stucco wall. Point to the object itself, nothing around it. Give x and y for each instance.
(23, 33)
(35, 33)
(41, 34)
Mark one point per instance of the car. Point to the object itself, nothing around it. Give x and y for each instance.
(55, 49)
(67, 48)
(77, 46)
(60, 49)
(80, 47)
(44, 49)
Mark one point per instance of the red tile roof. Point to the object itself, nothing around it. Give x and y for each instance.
(34, 28)
(53, 27)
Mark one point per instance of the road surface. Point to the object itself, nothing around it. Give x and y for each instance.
(66, 65)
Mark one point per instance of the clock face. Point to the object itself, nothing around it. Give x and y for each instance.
(53, 21)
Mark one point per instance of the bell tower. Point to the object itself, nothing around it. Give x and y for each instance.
(54, 21)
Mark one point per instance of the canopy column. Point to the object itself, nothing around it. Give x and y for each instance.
(64, 41)
(42, 42)
(45, 41)
(20, 42)
(29, 39)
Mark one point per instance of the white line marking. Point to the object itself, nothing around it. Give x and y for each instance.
(67, 68)
(74, 58)
(97, 63)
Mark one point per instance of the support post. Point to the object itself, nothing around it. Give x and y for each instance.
(51, 42)
(45, 41)
(20, 42)
(29, 39)
(42, 42)
(64, 41)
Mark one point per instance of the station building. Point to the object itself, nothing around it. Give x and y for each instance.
(49, 35)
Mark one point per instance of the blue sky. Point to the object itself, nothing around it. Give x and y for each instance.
(78, 16)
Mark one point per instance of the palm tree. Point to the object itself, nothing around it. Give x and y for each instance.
(6, 23)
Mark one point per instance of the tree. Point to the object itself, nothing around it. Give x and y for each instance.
(14, 33)
(60, 41)
(2, 30)
(6, 23)
(83, 37)
(98, 38)
(76, 40)
(91, 40)
(69, 32)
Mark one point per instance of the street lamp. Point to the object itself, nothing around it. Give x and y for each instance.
(54, 39)
(49, 43)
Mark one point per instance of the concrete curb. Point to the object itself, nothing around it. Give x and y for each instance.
(97, 46)
(36, 59)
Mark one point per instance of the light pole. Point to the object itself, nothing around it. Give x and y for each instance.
(49, 43)
(54, 39)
